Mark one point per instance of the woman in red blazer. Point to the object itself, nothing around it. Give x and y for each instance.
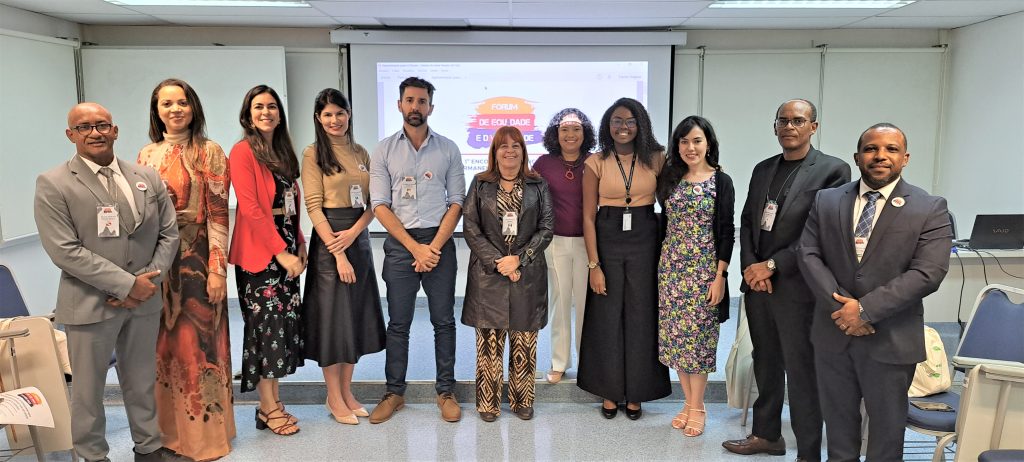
(269, 254)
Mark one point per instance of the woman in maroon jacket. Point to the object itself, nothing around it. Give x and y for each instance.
(269, 254)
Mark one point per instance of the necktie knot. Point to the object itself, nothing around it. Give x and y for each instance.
(107, 172)
(872, 196)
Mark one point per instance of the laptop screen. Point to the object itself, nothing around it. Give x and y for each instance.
(998, 232)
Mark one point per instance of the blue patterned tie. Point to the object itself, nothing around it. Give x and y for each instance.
(867, 215)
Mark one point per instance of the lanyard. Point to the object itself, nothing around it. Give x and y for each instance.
(783, 188)
(628, 182)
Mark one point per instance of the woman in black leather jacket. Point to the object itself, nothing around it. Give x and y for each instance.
(508, 223)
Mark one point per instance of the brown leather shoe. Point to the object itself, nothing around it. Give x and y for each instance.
(525, 413)
(450, 410)
(756, 445)
(386, 408)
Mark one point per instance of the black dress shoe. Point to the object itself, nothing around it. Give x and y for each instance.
(525, 413)
(633, 414)
(609, 413)
(756, 445)
(488, 416)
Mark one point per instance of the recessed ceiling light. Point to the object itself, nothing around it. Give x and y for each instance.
(235, 3)
(876, 4)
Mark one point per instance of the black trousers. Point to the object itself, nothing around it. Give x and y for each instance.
(780, 331)
(844, 379)
(619, 345)
(403, 282)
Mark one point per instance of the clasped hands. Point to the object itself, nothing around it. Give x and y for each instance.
(758, 277)
(142, 290)
(425, 257)
(847, 317)
(508, 266)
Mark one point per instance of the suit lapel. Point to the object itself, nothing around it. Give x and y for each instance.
(765, 182)
(131, 173)
(888, 215)
(85, 175)
(846, 218)
(800, 180)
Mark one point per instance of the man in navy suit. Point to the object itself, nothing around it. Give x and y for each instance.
(871, 250)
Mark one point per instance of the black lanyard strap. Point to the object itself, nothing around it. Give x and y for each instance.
(628, 182)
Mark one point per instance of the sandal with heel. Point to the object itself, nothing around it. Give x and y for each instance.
(698, 429)
(291, 419)
(263, 422)
(679, 422)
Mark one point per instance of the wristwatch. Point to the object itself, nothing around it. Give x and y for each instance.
(592, 265)
(770, 264)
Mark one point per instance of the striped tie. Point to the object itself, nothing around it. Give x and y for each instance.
(867, 215)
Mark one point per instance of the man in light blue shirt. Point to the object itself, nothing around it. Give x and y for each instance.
(417, 185)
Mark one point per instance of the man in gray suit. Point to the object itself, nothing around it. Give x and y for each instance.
(110, 227)
(871, 250)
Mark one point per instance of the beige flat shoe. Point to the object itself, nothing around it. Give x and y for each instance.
(555, 376)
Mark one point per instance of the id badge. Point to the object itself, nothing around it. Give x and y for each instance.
(289, 202)
(409, 188)
(860, 244)
(509, 224)
(768, 216)
(355, 194)
(627, 221)
(108, 222)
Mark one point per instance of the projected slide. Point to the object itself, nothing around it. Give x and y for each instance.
(474, 99)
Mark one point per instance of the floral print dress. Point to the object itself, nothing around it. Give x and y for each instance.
(273, 341)
(687, 322)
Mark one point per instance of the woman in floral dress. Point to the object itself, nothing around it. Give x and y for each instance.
(193, 354)
(269, 252)
(697, 198)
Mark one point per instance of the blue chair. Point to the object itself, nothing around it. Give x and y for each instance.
(12, 304)
(993, 336)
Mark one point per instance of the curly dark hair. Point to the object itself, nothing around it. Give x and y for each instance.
(551, 134)
(675, 169)
(278, 156)
(644, 145)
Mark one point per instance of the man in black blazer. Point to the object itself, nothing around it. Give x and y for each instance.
(777, 301)
(871, 250)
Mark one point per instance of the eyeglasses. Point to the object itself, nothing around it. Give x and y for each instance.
(103, 128)
(619, 123)
(797, 123)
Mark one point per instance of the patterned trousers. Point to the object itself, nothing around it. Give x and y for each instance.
(522, 365)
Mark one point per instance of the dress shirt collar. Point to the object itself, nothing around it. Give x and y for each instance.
(96, 167)
(885, 190)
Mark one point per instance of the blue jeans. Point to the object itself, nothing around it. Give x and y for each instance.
(403, 282)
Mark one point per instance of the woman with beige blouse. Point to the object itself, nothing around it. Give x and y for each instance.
(619, 345)
(342, 309)
(193, 355)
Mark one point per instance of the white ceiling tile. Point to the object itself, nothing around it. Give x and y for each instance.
(356, 21)
(68, 6)
(786, 12)
(489, 22)
(937, 8)
(766, 23)
(200, 11)
(421, 9)
(910, 22)
(111, 19)
(253, 21)
(606, 9)
(575, 23)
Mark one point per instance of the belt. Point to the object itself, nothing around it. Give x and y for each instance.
(278, 211)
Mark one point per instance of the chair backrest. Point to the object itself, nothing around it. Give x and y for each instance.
(11, 302)
(994, 332)
(991, 412)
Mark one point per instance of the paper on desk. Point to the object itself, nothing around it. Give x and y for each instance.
(25, 406)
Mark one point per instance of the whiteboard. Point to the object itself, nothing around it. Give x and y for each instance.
(38, 91)
(122, 79)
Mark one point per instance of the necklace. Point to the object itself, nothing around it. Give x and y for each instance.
(570, 166)
(508, 179)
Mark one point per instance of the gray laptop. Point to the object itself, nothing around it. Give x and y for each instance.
(998, 232)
